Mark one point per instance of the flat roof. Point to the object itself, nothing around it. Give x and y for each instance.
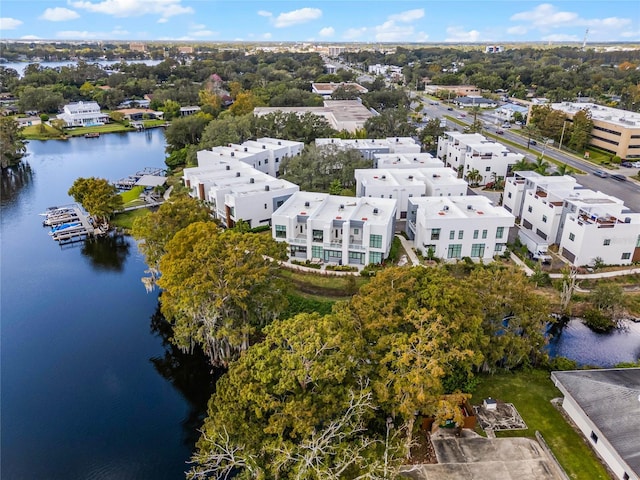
(407, 160)
(616, 116)
(611, 400)
(466, 206)
(151, 181)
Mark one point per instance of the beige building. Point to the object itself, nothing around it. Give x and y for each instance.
(137, 47)
(614, 130)
(459, 90)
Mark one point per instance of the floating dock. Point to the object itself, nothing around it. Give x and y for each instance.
(70, 224)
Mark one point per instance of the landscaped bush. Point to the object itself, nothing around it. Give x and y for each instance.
(341, 268)
(261, 228)
(307, 263)
(598, 321)
(562, 363)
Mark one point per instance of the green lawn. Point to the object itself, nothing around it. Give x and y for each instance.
(131, 195)
(34, 132)
(531, 393)
(108, 128)
(323, 287)
(125, 219)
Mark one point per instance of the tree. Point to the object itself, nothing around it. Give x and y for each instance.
(13, 147)
(580, 130)
(40, 99)
(390, 123)
(541, 166)
(430, 133)
(345, 92)
(171, 109)
(225, 130)
(531, 131)
(291, 126)
(185, 131)
(522, 164)
(474, 177)
(244, 104)
(117, 117)
(153, 231)
(97, 196)
(220, 288)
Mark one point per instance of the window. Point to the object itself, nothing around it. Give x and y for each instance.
(454, 251)
(317, 252)
(529, 209)
(572, 237)
(281, 231)
(475, 233)
(356, 231)
(509, 195)
(594, 437)
(607, 241)
(375, 257)
(500, 247)
(625, 476)
(375, 241)
(266, 161)
(460, 234)
(435, 234)
(484, 234)
(499, 232)
(487, 169)
(317, 235)
(452, 234)
(265, 206)
(544, 218)
(477, 250)
(626, 256)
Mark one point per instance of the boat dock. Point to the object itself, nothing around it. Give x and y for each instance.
(129, 182)
(69, 224)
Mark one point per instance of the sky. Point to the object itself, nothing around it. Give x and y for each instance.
(341, 21)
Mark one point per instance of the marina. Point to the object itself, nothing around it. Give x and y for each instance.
(70, 223)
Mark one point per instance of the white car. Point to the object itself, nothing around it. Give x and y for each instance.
(636, 164)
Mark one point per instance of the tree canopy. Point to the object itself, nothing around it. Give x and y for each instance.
(97, 196)
(12, 146)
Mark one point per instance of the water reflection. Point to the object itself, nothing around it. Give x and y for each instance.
(13, 180)
(107, 253)
(189, 373)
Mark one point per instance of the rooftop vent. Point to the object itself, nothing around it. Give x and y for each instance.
(264, 146)
(397, 139)
(410, 177)
(237, 174)
(252, 180)
(341, 206)
(306, 204)
(375, 211)
(445, 208)
(246, 149)
(232, 154)
(228, 167)
(469, 207)
(627, 220)
(279, 142)
(267, 188)
(383, 177)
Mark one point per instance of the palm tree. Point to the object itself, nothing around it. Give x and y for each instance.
(531, 131)
(473, 177)
(541, 166)
(562, 170)
(521, 165)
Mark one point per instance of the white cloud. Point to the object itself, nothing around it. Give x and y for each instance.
(87, 35)
(163, 20)
(458, 34)
(631, 34)
(561, 37)
(203, 33)
(296, 17)
(546, 16)
(264, 13)
(59, 14)
(408, 16)
(517, 30)
(8, 23)
(30, 37)
(134, 8)
(327, 32)
(354, 33)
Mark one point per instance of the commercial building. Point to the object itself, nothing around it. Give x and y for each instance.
(370, 147)
(459, 90)
(83, 114)
(405, 160)
(235, 190)
(474, 101)
(472, 151)
(349, 115)
(454, 227)
(507, 111)
(614, 130)
(605, 406)
(405, 183)
(327, 228)
(325, 90)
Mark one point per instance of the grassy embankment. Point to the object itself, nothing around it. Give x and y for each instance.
(531, 393)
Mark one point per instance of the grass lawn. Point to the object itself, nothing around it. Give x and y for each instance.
(34, 132)
(131, 195)
(108, 128)
(153, 123)
(531, 393)
(321, 286)
(125, 219)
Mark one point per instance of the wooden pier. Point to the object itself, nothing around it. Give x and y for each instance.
(70, 224)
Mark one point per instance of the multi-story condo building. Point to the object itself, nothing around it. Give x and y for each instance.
(472, 151)
(236, 191)
(405, 160)
(335, 229)
(614, 130)
(83, 114)
(454, 227)
(405, 183)
(521, 182)
(369, 147)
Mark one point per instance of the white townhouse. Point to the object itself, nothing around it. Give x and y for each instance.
(369, 147)
(472, 151)
(405, 183)
(83, 114)
(456, 227)
(236, 191)
(406, 160)
(596, 225)
(335, 229)
(524, 181)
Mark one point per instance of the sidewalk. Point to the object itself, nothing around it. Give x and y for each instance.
(408, 247)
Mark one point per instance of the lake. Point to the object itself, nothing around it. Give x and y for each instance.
(90, 387)
(20, 67)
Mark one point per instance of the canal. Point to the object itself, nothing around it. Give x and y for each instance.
(90, 387)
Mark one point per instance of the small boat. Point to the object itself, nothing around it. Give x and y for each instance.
(64, 226)
(92, 135)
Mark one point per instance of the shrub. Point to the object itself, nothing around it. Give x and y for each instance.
(341, 268)
(597, 321)
(562, 363)
(261, 228)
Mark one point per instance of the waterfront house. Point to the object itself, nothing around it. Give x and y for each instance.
(83, 114)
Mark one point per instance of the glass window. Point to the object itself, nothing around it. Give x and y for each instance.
(500, 247)
(452, 234)
(477, 250)
(317, 235)
(375, 241)
(454, 251)
(572, 237)
(435, 234)
(281, 231)
(607, 241)
(487, 169)
(626, 256)
(499, 232)
(375, 257)
(356, 231)
(460, 234)
(544, 218)
(475, 233)
(484, 234)
(317, 252)
(529, 209)
(509, 195)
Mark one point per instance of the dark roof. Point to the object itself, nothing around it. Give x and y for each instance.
(611, 400)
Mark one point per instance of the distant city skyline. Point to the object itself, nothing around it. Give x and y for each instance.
(333, 21)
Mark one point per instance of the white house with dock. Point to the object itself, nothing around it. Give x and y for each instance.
(83, 114)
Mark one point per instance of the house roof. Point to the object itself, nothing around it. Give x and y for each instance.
(611, 400)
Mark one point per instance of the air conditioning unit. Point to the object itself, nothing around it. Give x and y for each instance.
(469, 207)
(306, 204)
(375, 211)
(252, 180)
(445, 208)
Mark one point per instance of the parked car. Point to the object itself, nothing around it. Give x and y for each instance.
(617, 176)
(600, 173)
(450, 108)
(506, 125)
(500, 132)
(635, 164)
(626, 164)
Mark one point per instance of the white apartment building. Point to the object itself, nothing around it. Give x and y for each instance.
(335, 229)
(596, 225)
(516, 186)
(236, 191)
(406, 160)
(472, 151)
(456, 227)
(405, 183)
(369, 147)
(83, 114)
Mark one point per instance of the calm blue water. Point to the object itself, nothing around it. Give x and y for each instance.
(90, 390)
(20, 67)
